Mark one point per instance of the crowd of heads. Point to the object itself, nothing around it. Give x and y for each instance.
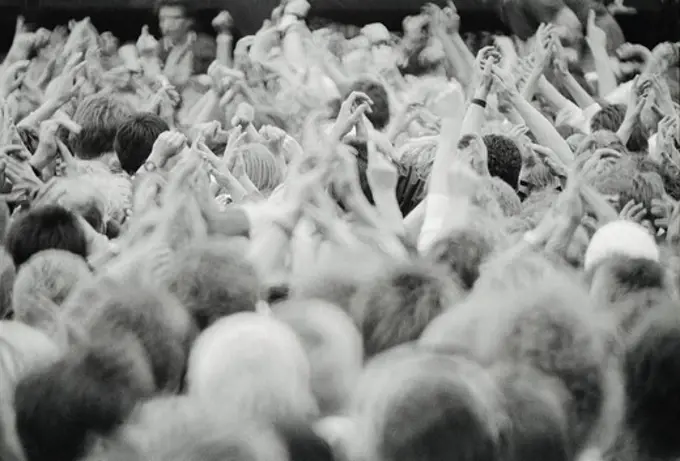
(340, 244)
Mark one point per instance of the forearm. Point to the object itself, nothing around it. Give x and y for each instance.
(581, 96)
(605, 74)
(458, 63)
(42, 113)
(446, 148)
(293, 45)
(224, 49)
(531, 83)
(552, 94)
(543, 129)
(388, 208)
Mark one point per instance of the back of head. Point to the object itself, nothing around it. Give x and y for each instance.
(394, 307)
(51, 274)
(504, 158)
(135, 138)
(45, 228)
(535, 406)
(182, 428)
(431, 407)
(651, 375)
(100, 117)
(266, 373)
(213, 280)
(333, 345)
(62, 408)
(554, 327)
(624, 238)
(160, 323)
(462, 252)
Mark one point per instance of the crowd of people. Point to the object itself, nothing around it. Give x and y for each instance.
(325, 244)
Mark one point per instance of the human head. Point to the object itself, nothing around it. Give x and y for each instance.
(266, 375)
(620, 238)
(90, 392)
(100, 117)
(334, 349)
(45, 228)
(504, 158)
(52, 274)
(173, 19)
(135, 138)
(395, 306)
(212, 281)
(78, 195)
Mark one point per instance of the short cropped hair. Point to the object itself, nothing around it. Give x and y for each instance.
(45, 228)
(504, 158)
(394, 307)
(135, 138)
(100, 117)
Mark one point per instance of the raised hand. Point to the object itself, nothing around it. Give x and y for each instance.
(223, 22)
(352, 109)
(632, 211)
(13, 77)
(147, 45)
(596, 37)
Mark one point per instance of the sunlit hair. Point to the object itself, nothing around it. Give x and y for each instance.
(506, 197)
(213, 280)
(553, 326)
(266, 375)
(100, 117)
(261, 167)
(51, 274)
(394, 307)
(425, 406)
(182, 428)
(334, 349)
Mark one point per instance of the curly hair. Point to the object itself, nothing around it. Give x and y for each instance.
(505, 158)
(380, 113)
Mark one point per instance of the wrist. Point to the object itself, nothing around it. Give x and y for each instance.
(225, 37)
(40, 159)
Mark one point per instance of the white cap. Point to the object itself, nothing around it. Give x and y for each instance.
(624, 238)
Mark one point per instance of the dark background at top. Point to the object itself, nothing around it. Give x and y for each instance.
(657, 20)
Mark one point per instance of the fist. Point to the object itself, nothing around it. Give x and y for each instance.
(223, 22)
(167, 145)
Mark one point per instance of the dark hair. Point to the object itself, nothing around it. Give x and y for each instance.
(184, 4)
(505, 158)
(7, 276)
(91, 391)
(100, 117)
(45, 228)
(303, 444)
(361, 149)
(135, 138)
(380, 110)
